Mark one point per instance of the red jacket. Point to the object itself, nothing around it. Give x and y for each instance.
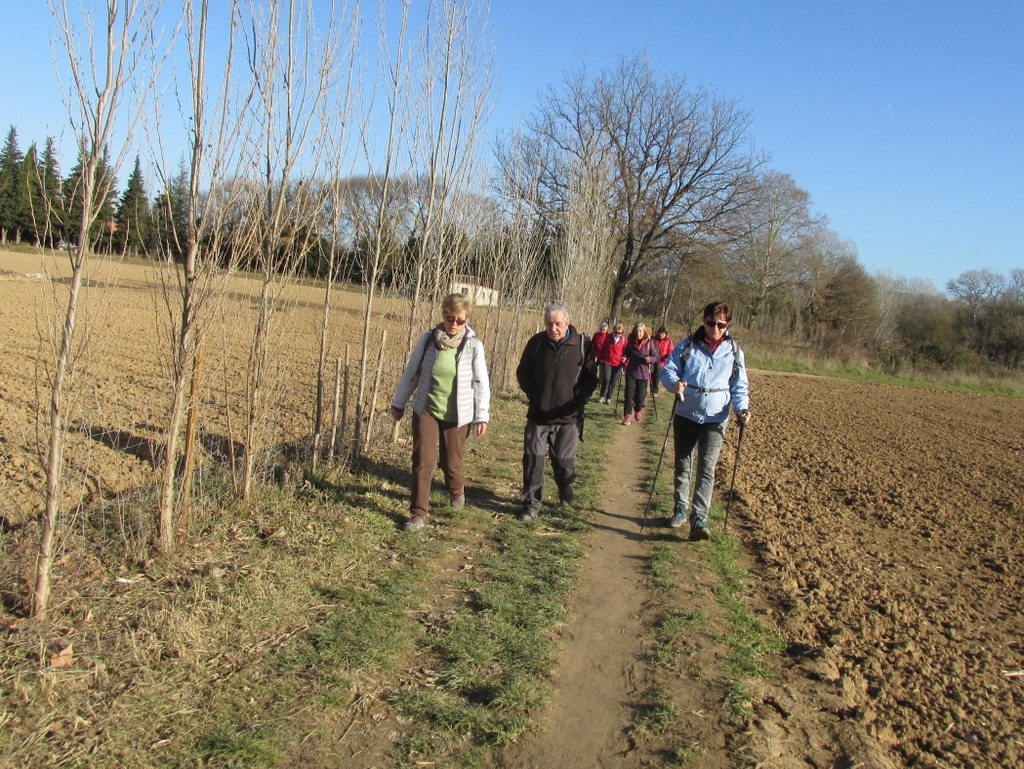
(611, 351)
(665, 347)
(598, 340)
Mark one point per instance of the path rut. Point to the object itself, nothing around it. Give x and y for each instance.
(601, 677)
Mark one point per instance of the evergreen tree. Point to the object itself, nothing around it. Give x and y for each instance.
(52, 191)
(134, 219)
(101, 228)
(13, 194)
(34, 223)
(170, 215)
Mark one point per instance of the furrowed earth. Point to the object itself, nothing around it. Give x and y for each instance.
(888, 527)
(883, 527)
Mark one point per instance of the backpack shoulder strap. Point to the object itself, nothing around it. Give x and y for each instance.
(583, 354)
(686, 352)
(735, 360)
(425, 341)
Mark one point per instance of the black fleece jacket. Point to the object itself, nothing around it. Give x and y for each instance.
(558, 378)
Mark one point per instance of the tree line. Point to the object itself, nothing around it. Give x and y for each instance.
(626, 193)
(790, 276)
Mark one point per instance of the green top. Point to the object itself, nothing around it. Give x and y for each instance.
(441, 397)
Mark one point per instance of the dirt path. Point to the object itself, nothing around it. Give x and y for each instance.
(602, 682)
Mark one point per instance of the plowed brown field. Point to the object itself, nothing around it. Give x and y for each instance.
(889, 527)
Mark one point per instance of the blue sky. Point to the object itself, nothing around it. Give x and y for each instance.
(903, 119)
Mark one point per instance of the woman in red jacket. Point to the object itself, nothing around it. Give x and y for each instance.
(597, 340)
(665, 346)
(609, 358)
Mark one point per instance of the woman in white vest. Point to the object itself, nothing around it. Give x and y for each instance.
(446, 377)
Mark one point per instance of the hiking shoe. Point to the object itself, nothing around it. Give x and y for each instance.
(416, 523)
(698, 533)
(627, 419)
(678, 519)
(565, 496)
(459, 500)
(528, 515)
(638, 415)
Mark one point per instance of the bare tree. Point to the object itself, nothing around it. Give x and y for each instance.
(679, 156)
(340, 107)
(393, 77)
(292, 58)
(841, 306)
(216, 128)
(765, 246)
(974, 288)
(451, 106)
(103, 68)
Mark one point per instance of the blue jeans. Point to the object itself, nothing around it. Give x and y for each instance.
(706, 441)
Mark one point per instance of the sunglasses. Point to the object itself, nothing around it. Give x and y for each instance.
(716, 324)
(455, 321)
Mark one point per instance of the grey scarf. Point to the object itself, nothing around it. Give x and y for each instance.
(445, 342)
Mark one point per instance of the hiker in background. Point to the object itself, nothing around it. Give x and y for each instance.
(556, 371)
(596, 342)
(610, 361)
(664, 344)
(708, 372)
(639, 354)
(446, 377)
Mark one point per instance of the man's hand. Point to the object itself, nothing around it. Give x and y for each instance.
(680, 386)
(743, 416)
(396, 414)
(481, 428)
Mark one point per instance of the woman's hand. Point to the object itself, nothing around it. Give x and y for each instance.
(680, 386)
(481, 428)
(743, 416)
(396, 414)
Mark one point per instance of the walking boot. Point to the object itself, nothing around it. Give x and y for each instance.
(416, 523)
(698, 533)
(565, 496)
(627, 419)
(638, 415)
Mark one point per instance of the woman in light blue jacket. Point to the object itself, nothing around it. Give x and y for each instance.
(708, 373)
(448, 374)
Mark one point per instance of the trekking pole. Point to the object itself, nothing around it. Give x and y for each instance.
(657, 470)
(735, 467)
(618, 389)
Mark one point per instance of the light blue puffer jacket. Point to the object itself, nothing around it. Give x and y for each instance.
(708, 388)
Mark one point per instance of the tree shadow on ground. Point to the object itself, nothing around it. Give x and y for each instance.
(140, 447)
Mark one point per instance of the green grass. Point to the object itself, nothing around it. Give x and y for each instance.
(659, 715)
(665, 561)
(954, 381)
(492, 659)
(685, 755)
(751, 646)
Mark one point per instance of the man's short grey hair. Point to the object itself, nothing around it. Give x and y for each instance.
(554, 307)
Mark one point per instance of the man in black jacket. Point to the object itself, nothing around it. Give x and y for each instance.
(556, 372)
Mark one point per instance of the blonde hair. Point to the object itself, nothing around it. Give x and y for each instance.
(454, 303)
